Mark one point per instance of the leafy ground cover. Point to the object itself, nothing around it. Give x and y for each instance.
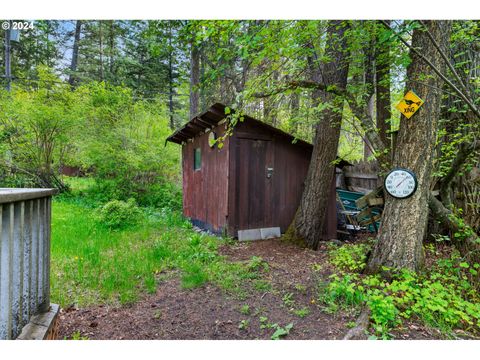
(441, 297)
(150, 275)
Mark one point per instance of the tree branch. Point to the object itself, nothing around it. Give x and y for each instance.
(444, 57)
(470, 104)
(358, 111)
(361, 325)
(303, 84)
(445, 216)
(465, 150)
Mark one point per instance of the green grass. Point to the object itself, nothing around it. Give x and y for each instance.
(93, 264)
(90, 263)
(304, 311)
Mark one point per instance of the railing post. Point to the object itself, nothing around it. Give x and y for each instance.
(25, 220)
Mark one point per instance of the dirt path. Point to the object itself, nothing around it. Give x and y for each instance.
(208, 313)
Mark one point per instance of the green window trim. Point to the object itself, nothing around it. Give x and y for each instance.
(197, 159)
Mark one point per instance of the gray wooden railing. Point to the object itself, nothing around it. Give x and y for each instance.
(25, 218)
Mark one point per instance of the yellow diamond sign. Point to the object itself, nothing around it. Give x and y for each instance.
(409, 104)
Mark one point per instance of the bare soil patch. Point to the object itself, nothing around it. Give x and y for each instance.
(208, 312)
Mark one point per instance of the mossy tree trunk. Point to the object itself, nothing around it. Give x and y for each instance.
(194, 79)
(383, 63)
(310, 220)
(404, 221)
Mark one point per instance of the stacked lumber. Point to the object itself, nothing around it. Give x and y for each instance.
(371, 207)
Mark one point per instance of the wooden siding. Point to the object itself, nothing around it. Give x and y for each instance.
(247, 173)
(254, 205)
(231, 191)
(291, 167)
(205, 190)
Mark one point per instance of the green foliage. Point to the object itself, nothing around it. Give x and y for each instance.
(117, 214)
(281, 331)
(288, 300)
(441, 297)
(244, 324)
(123, 142)
(91, 263)
(34, 131)
(264, 324)
(464, 230)
(300, 287)
(384, 313)
(262, 285)
(256, 263)
(341, 291)
(304, 311)
(98, 127)
(245, 309)
(349, 257)
(77, 336)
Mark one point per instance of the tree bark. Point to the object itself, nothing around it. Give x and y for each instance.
(383, 106)
(194, 79)
(112, 49)
(100, 44)
(295, 109)
(369, 65)
(399, 242)
(310, 220)
(170, 80)
(72, 79)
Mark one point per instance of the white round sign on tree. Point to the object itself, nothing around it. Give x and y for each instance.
(400, 183)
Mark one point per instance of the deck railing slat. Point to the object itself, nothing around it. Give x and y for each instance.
(24, 257)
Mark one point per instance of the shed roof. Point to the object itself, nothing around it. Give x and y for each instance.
(212, 117)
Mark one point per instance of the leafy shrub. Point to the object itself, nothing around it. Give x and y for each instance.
(441, 297)
(341, 291)
(122, 143)
(163, 194)
(384, 313)
(117, 213)
(350, 257)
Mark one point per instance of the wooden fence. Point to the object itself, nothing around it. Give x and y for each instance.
(25, 218)
(361, 177)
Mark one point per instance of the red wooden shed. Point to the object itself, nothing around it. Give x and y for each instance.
(253, 182)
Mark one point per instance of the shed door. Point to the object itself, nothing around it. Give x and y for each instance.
(255, 183)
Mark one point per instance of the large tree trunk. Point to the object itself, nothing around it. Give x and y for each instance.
(194, 79)
(382, 83)
(294, 110)
(369, 65)
(112, 49)
(100, 48)
(171, 109)
(310, 220)
(73, 65)
(399, 242)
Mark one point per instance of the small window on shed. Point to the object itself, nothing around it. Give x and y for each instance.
(197, 159)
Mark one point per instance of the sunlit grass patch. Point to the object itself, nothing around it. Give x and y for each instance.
(93, 263)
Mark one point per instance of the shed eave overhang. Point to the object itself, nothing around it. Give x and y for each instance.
(212, 117)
